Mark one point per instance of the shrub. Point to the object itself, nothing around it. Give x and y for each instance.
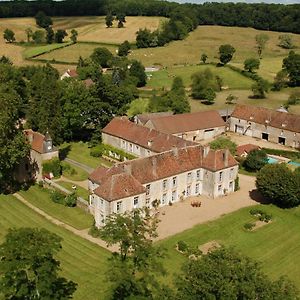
(224, 143)
(182, 246)
(70, 200)
(237, 184)
(249, 226)
(255, 160)
(40, 184)
(97, 151)
(261, 215)
(57, 197)
(52, 166)
(67, 169)
(94, 231)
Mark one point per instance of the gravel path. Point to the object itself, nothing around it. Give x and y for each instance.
(182, 216)
(81, 233)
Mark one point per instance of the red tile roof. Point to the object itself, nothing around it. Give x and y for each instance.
(163, 165)
(265, 116)
(147, 138)
(72, 73)
(246, 149)
(36, 140)
(188, 122)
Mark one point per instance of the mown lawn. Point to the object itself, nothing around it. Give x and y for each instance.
(81, 192)
(81, 261)
(231, 79)
(73, 172)
(81, 152)
(73, 216)
(35, 50)
(276, 246)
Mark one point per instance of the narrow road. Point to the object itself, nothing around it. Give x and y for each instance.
(79, 165)
(81, 233)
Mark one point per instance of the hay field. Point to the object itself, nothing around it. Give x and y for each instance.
(207, 39)
(93, 29)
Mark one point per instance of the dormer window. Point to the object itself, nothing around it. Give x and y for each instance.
(283, 125)
(267, 121)
(251, 117)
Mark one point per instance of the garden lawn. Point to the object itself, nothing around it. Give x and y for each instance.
(81, 261)
(81, 192)
(231, 79)
(74, 216)
(73, 172)
(81, 152)
(276, 245)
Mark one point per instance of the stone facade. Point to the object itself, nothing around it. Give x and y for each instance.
(265, 132)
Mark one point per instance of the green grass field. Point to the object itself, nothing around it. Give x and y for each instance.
(276, 245)
(81, 192)
(81, 152)
(73, 216)
(231, 79)
(73, 172)
(31, 51)
(81, 261)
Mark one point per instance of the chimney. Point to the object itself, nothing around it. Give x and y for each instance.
(127, 168)
(150, 143)
(175, 150)
(225, 157)
(206, 149)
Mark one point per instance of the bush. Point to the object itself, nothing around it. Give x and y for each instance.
(57, 197)
(255, 160)
(94, 231)
(249, 226)
(97, 151)
(70, 200)
(40, 184)
(237, 184)
(67, 169)
(182, 246)
(261, 215)
(224, 143)
(52, 166)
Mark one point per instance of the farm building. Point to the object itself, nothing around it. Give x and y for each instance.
(69, 74)
(190, 126)
(138, 140)
(165, 177)
(142, 119)
(267, 124)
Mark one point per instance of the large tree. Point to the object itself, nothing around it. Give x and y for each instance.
(256, 159)
(291, 65)
(261, 41)
(226, 274)
(9, 35)
(251, 64)
(102, 56)
(28, 269)
(135, 269)
(109, 20)
(224, 143)
(226, 53)
(279, 184)
(13, 147)
(42, 20)
(137, 70)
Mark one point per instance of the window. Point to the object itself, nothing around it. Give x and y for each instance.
(130, 147)
(198, 174)
(174, 181)
(220, 176)
(119, 206)
(165, 184)
(164, 199)
(197, 189)
(101, 202)
(188, 191)
(135, 202)
(123, 145)
(189, 177)
(147, 189)
(220, 188)
(148, 153)
(147, 201)
(231, 173)
(174, 196)
(231, 186)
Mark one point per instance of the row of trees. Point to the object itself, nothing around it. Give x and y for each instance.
(274, 17)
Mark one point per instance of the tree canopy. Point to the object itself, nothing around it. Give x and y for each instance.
(224, 143)
(291, 65)
(256, 159)
(226, 53)
(28, 269)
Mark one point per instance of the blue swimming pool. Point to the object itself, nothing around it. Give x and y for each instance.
(272, 160)
(294, 163)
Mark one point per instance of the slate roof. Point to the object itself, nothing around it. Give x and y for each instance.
(145, 170)
(187, 122)
(147, 138)
(265, 116)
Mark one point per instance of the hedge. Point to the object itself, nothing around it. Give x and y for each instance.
(284, 153)
(110, 151)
